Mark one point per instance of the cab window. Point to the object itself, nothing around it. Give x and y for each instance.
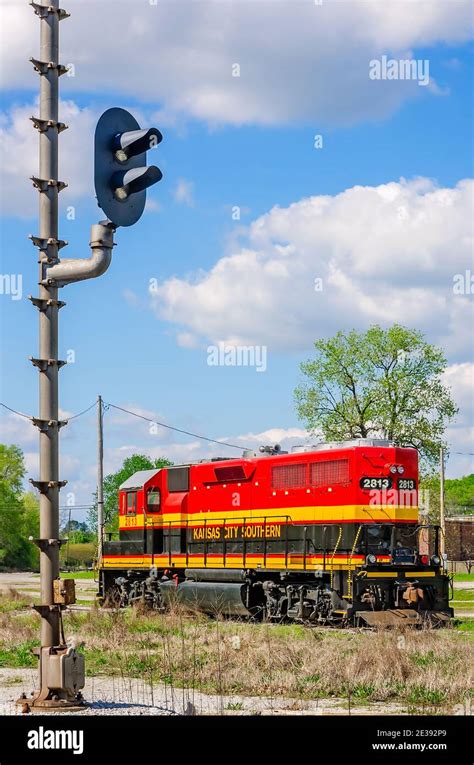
(131, 503)
(153, 501)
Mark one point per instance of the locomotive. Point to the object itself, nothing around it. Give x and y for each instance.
(327, 534)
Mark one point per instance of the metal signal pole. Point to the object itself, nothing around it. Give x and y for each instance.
(61, 668)
(48, 305)
(121, 181)
(100, 474)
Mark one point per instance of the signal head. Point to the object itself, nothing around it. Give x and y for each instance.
(120, 174)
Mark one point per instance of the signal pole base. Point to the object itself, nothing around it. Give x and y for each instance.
(53, 704)
(61, 678)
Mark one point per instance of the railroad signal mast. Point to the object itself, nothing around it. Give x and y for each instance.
(121, 184)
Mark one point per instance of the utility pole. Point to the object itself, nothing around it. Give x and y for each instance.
(442, 546)
(68, 535)
(100, 475)
(121, 184)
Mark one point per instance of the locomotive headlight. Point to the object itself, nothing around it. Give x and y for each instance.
(401, 469)
(371, 559)
(435, 560)
(393, 468)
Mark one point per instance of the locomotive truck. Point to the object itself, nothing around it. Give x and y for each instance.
(327, 534)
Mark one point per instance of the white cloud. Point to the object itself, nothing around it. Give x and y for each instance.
(460, 379)
(186, 340)
(183, 193)
(460, 435)
(19, 157)
(183, 54)
(17, 430)
(384, 254)
(194, 450)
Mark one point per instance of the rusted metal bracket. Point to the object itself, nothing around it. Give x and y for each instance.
(45, 425)
(46, 10)
(44, 125)
(43, 364)
(43, 67)
(43, 184)
(42, 304)
(42, 243)
(45, 610)
(44, 544)
(44, 486)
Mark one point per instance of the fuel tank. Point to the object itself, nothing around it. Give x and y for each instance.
(227, 598)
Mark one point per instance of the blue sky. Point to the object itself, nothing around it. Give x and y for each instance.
(247, 143)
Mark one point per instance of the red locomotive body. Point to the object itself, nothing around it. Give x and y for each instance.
(327, 534)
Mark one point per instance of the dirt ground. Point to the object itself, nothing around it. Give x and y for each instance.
(137, 696)
(129, 696)
(29, 584)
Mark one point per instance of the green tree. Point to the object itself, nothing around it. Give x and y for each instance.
(77, 532)
(458, 496)
(459, 493)
(380, 383)
(19, 517)
(112, 483)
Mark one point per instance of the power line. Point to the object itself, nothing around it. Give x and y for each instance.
(163, 425)
(28, 417)
(177, 430)
(79, 414)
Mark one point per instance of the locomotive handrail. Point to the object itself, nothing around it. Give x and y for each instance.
(244, 521)
(349, 573)
(224, 546)
(334, 554)
(187, 545)
(264, 543)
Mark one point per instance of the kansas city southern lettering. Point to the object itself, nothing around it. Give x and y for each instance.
(216, 533)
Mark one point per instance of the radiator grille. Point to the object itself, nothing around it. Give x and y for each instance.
(329, 473)
(289, 476)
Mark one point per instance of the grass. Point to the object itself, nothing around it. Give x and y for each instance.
(427, 668)
(465, 624)
(79, 575)
(463, 600)
(19, 655)
(464, 578)
(14, 680)
(464, 595)
(12, 600)
(76, 574)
